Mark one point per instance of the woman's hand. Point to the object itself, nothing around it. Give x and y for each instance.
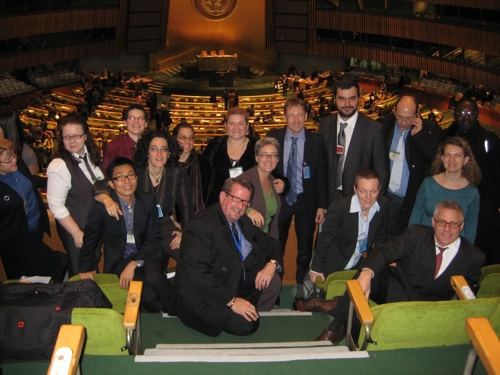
(279, 186)
(256, 217)
(176, 242)
(78, 238)
(112, 207)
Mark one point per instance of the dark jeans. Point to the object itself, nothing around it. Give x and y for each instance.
(394, 225)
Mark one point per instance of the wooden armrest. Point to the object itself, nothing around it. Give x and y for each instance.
(133, 305)
(461, 287)
(358, 298)
(71, 336)
(486, 343)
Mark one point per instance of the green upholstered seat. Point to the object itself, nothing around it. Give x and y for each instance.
(339, 275)
(489, 286)
(486, 270)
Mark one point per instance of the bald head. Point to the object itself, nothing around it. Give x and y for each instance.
(405, 111)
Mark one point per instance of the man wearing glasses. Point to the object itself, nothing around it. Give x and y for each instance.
(416, 266)
(228, 269)
(136, 120)
(132, 244)
(411, 147)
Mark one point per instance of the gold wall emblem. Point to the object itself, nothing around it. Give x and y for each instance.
(215, 9)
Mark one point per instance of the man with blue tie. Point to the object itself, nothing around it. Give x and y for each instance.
(303, 162)
(411, 147)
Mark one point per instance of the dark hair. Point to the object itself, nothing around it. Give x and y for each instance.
(142, 152)
(345, 83)
(247, 184)
(452, 205)
(12, 127)
(295, 102)
(132, 107)
(75, 118)
(470, 170)
(407, 96)
(180, 126)
(120, 160)
(366, 174)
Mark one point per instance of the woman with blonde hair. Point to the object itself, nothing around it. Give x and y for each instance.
(454, 176)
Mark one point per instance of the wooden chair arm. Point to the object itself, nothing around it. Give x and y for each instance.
(361, 305)
(461, 287)
(486, 343)
(70, 336)
(133, 304)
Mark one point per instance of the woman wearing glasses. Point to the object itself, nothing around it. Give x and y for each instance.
(23, 221)
(196, 166)
(71, 174)
(266, 203)
(455, 175)
(231, 154)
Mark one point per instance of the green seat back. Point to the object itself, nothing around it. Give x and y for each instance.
(339, 275)
(486, 270)
(490, 286)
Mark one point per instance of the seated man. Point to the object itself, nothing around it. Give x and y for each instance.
(132, 244)
(227, 270)
(352, 226)
(424, 260)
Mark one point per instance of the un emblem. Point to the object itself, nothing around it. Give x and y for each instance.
(215, 9)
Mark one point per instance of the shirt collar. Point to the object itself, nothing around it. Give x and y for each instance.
(77, 156)
(351, 122)
(356, 207)
(452, 246)
(301, 135)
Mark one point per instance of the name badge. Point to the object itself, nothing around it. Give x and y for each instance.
(394, 155)
(235, 172)
(160, 212)
(306, 171)
(340, 150)
(130, 238)
(363, 244)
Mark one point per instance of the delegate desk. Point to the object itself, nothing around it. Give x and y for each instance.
(218, 63)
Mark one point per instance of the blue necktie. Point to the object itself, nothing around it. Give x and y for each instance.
(291, 173)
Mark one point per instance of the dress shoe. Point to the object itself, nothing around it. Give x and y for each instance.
(298, 304)
(321, 305)
(333, 336)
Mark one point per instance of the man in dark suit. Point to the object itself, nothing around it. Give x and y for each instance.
(302, 161)
(132, 244)
(352, 142)
(415, 266)
(411, 145)
(228, 267)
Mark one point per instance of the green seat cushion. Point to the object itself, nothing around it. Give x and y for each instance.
(490, 286)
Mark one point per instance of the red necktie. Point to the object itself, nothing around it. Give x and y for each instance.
(439, 259)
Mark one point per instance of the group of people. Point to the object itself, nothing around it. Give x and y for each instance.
(390, 192)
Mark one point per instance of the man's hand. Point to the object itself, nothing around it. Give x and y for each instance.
(256, 217)
(265, 275)
(127, 275)
(416, 125)
(313, 275)
(87, 275)
(245, 309)
(176, 242)
(365, 279)
(320, 215)
(279, 185)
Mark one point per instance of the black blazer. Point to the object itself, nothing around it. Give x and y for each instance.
(337, 240)
(367, 150)
(113, 233)
(420, 150)
(415, 254)
(209, 269)
(315, 191)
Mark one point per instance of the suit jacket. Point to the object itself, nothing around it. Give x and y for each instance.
(420, 150)
(366, 150)
(258, 202)
(209, 269)
(339, 235)
(415, 254)
(315, 190)
(113, 233)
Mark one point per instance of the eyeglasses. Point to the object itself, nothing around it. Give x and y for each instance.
(184, 138)
(140, 119)
(7, 158)
(404, 119)
(444, 223)
(72, 137)
(163, 150)
(298, 116)
(239, 200)
(130, 177)
(268, 156)
(466, 113)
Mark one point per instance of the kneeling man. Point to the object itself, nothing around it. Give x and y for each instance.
(228, 267)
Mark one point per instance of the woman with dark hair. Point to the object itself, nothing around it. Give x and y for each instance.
(454, 176)
(196, 166)
(11, 128)
(231, 154)
(156, 159)
(72, 172)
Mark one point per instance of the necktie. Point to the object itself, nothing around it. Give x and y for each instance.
(291, 173)
(397, 166)
(89, 169)
(439, 259)
(340, 157)
(236, 237)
